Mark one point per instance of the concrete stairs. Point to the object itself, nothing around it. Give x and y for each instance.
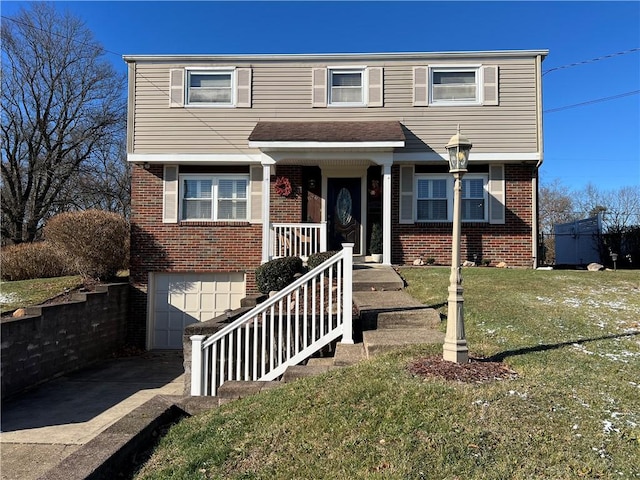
(388, 319)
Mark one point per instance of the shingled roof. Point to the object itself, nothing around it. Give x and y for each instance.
(330, 132)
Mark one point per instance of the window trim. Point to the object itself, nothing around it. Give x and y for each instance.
(208, 71)
(449, 189)
(362, 70)
(477, 69)
(215, 179)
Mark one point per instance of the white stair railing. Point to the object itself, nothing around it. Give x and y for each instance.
(282, 331)
(298, 239)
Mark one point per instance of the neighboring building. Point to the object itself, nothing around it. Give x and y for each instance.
(239, 159)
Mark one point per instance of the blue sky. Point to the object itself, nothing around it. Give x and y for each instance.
(597, 142)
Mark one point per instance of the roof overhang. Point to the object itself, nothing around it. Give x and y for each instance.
(376, 135)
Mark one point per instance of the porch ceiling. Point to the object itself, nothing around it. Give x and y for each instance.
(322, 135)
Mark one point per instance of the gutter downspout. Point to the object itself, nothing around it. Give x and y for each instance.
(535, 180)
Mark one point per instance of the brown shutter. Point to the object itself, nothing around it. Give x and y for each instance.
(376, 87)
(406, 194)
(497, 194)
(319, 94)
(170, 194)
(255, 189)
(490, 85)
(176, 87)
(420, 86)
(244, 88)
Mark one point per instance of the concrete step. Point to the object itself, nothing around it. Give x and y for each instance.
(302, 371)
(320, 362)
(347, 354)
(374, 277)
(377, 342)
(422, 317)
(234, 389)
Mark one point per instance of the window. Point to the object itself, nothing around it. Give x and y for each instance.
(346, 87)
(473, 199)
(206, 197)
(454, 86)
(210, 87)
(434, 199)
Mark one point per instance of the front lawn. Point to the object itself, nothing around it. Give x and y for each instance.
(573, 411)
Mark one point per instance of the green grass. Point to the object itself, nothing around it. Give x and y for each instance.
(27, 293)
(572, 412)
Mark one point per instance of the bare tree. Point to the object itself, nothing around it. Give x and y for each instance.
(62, 105)
(556, 205)
(620, 209)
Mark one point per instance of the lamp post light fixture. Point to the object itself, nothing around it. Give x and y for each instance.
(455, 344)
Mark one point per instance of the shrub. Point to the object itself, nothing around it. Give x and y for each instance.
(31, 260)
(95, 243)
(277, 274)
(316, 259)
(375, 245)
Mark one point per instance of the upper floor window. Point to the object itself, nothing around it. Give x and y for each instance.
(454, 86)
(210, 87)
(346, 87)
(214, 197)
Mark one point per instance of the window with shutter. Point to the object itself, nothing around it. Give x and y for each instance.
(214, 197)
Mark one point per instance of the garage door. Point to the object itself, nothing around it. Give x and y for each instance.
(182, 299)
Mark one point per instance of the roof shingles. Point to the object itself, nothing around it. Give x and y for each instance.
(380, 131)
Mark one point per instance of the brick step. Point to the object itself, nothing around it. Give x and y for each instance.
(234, 389)
(377, 342)
(422, 317)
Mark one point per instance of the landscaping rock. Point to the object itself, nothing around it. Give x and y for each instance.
(502, 265)
(20, 312)
(595, 267)
(468, 263)
(418, 262)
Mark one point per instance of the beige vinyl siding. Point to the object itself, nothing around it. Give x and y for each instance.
(282, 91)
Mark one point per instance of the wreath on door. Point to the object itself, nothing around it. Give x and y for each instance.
(283, 186)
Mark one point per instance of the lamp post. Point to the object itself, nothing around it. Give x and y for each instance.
(614, 257)
(455, 344)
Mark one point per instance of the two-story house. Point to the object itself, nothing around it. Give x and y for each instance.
(240, 159)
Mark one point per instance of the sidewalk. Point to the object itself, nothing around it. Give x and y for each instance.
(46, 425)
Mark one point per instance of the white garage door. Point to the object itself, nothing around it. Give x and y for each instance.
(182, 299)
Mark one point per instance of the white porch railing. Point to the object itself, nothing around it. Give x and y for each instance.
(283, 331)
(298, 239)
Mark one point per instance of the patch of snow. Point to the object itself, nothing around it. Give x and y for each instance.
(8, 298)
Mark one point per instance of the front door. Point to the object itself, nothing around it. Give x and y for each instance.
(343, 213)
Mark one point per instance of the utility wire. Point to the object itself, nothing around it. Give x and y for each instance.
(589, 102)
(592, 60)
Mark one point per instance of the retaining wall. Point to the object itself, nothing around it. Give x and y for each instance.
(52, 340)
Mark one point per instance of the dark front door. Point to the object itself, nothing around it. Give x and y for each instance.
(343, 213)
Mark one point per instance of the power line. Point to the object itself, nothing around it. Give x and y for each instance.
(589, 102)
(592, 60)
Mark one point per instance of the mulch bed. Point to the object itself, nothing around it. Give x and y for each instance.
(476, 371)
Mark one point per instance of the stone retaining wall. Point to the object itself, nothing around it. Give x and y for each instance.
(52, 340)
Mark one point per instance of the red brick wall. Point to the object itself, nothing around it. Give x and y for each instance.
(510, 243)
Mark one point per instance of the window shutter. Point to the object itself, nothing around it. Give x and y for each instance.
(376, 87)
(176, 87)
(490, 86)
(255, 189)
(319, 94)
(170, 195)
(497, 194)
(420, 86)
(406, 194)
(244, 88)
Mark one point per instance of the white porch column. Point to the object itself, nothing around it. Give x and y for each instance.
(386, 212)
(266, 220)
